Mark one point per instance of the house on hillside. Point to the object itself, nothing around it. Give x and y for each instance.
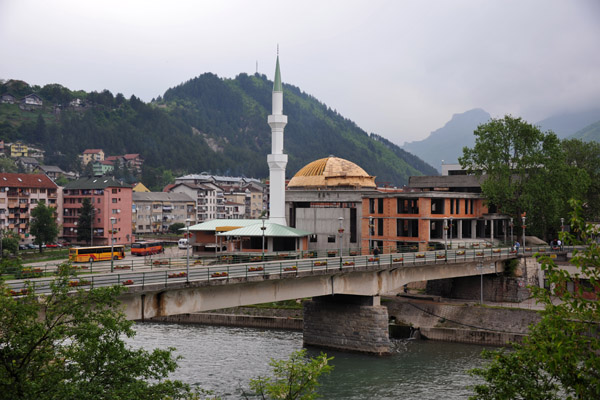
(90, 155)
(27, 164)
(134, 162)
(31, 102)
(51, 171)
(18, 149)
(101, 168)
(7, 99)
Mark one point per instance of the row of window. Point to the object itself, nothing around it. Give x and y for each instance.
(411, 206)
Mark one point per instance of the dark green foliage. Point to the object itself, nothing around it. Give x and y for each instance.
(68, 345)
(84, 224)
(175, 228)
(560, 358)
(43, 224)
(206, 124)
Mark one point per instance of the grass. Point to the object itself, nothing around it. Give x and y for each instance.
(283, 305)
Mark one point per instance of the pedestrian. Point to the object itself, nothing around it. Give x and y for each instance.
(559, 244)
(376, 251)
(517, 245)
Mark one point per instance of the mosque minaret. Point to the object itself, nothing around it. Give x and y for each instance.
(277, 160)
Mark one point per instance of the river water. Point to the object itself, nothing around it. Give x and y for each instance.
(224, 359)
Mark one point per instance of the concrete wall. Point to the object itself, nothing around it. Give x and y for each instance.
(349, 323)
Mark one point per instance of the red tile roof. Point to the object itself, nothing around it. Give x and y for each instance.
(92, 151)
(26, 181)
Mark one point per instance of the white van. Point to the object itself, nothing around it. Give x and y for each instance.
(183, 243)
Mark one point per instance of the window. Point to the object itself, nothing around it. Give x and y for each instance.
(114, 201)
(372, 206)
(458, 206)
(380, 226)
(313, 238)
(451, 206)
(380, 205)
(331, 239)
(33, 190)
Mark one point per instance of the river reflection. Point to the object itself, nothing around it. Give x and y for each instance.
(224, 359)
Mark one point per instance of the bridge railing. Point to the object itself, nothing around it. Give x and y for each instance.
(274, 269)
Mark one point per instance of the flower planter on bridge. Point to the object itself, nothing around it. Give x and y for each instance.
(255, 259)
(128, 282)
(21, 292)
(354, 253)
(122, 267)
(218, 274)
(160, 262)
(254, 269)
(292, 268)
(81, 282)
(398, 259)
(496, 251)
(348, 263)
(440, 256)
(420, 256)
(373, 259)
(479, 254)
(320, 263)
(178, 275)
(460, 253)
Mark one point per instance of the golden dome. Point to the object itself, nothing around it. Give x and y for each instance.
(332, 172)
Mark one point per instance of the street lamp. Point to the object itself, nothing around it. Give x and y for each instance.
(112, 243)
(341, 232)
(562, 224)
(187, 251)
(446, 238)
(263, 227)
(92, 227)
(451, 227)
(512, 242)
(370, 227)
(523, 234)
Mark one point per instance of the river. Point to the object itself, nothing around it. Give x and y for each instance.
(224, 359)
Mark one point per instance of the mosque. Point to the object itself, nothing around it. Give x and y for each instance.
(333, 204)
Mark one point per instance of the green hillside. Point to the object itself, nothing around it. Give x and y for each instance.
(206, 124)
(590, 133)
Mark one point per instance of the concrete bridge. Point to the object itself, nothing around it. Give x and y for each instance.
(345, 311)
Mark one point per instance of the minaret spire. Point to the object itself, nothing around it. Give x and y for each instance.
(277, 160)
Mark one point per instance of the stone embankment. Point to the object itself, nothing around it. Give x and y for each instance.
(433, 319)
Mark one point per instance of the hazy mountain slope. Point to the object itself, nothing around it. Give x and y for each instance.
(589, 133)
(447, 142)
(564, 125)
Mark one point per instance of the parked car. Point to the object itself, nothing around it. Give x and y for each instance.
(23, 246)
(53, 245)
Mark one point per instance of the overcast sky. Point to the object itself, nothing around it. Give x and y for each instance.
(400, 69)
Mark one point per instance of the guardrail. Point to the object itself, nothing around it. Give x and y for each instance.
(275, 269)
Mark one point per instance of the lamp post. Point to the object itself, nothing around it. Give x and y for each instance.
(450, 228)
(187, 251)
(112, 243)
(562, 224)
(263, 227)
(341, 232)
(523, 234)
(480, 266)
(446, 239)
(92, 227)
(512, 242)
(370, 227)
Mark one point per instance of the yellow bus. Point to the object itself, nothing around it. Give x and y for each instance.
(96, 253)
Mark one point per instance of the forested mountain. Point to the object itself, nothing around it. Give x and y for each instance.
(567, 124)
(206, 124)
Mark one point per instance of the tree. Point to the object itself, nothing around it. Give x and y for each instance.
(43, 224)
(294, 378)
(67, 345)
(84, 224)
(10, 242)
(585, 158)
(561, 356)
(175, 228)
(524, 170)
(7, 165)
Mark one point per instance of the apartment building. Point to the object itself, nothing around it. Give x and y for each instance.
(210, 200)
(112, 202)
(154, 212)
(19, 194)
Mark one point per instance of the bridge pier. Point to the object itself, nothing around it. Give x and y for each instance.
(348, 323)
